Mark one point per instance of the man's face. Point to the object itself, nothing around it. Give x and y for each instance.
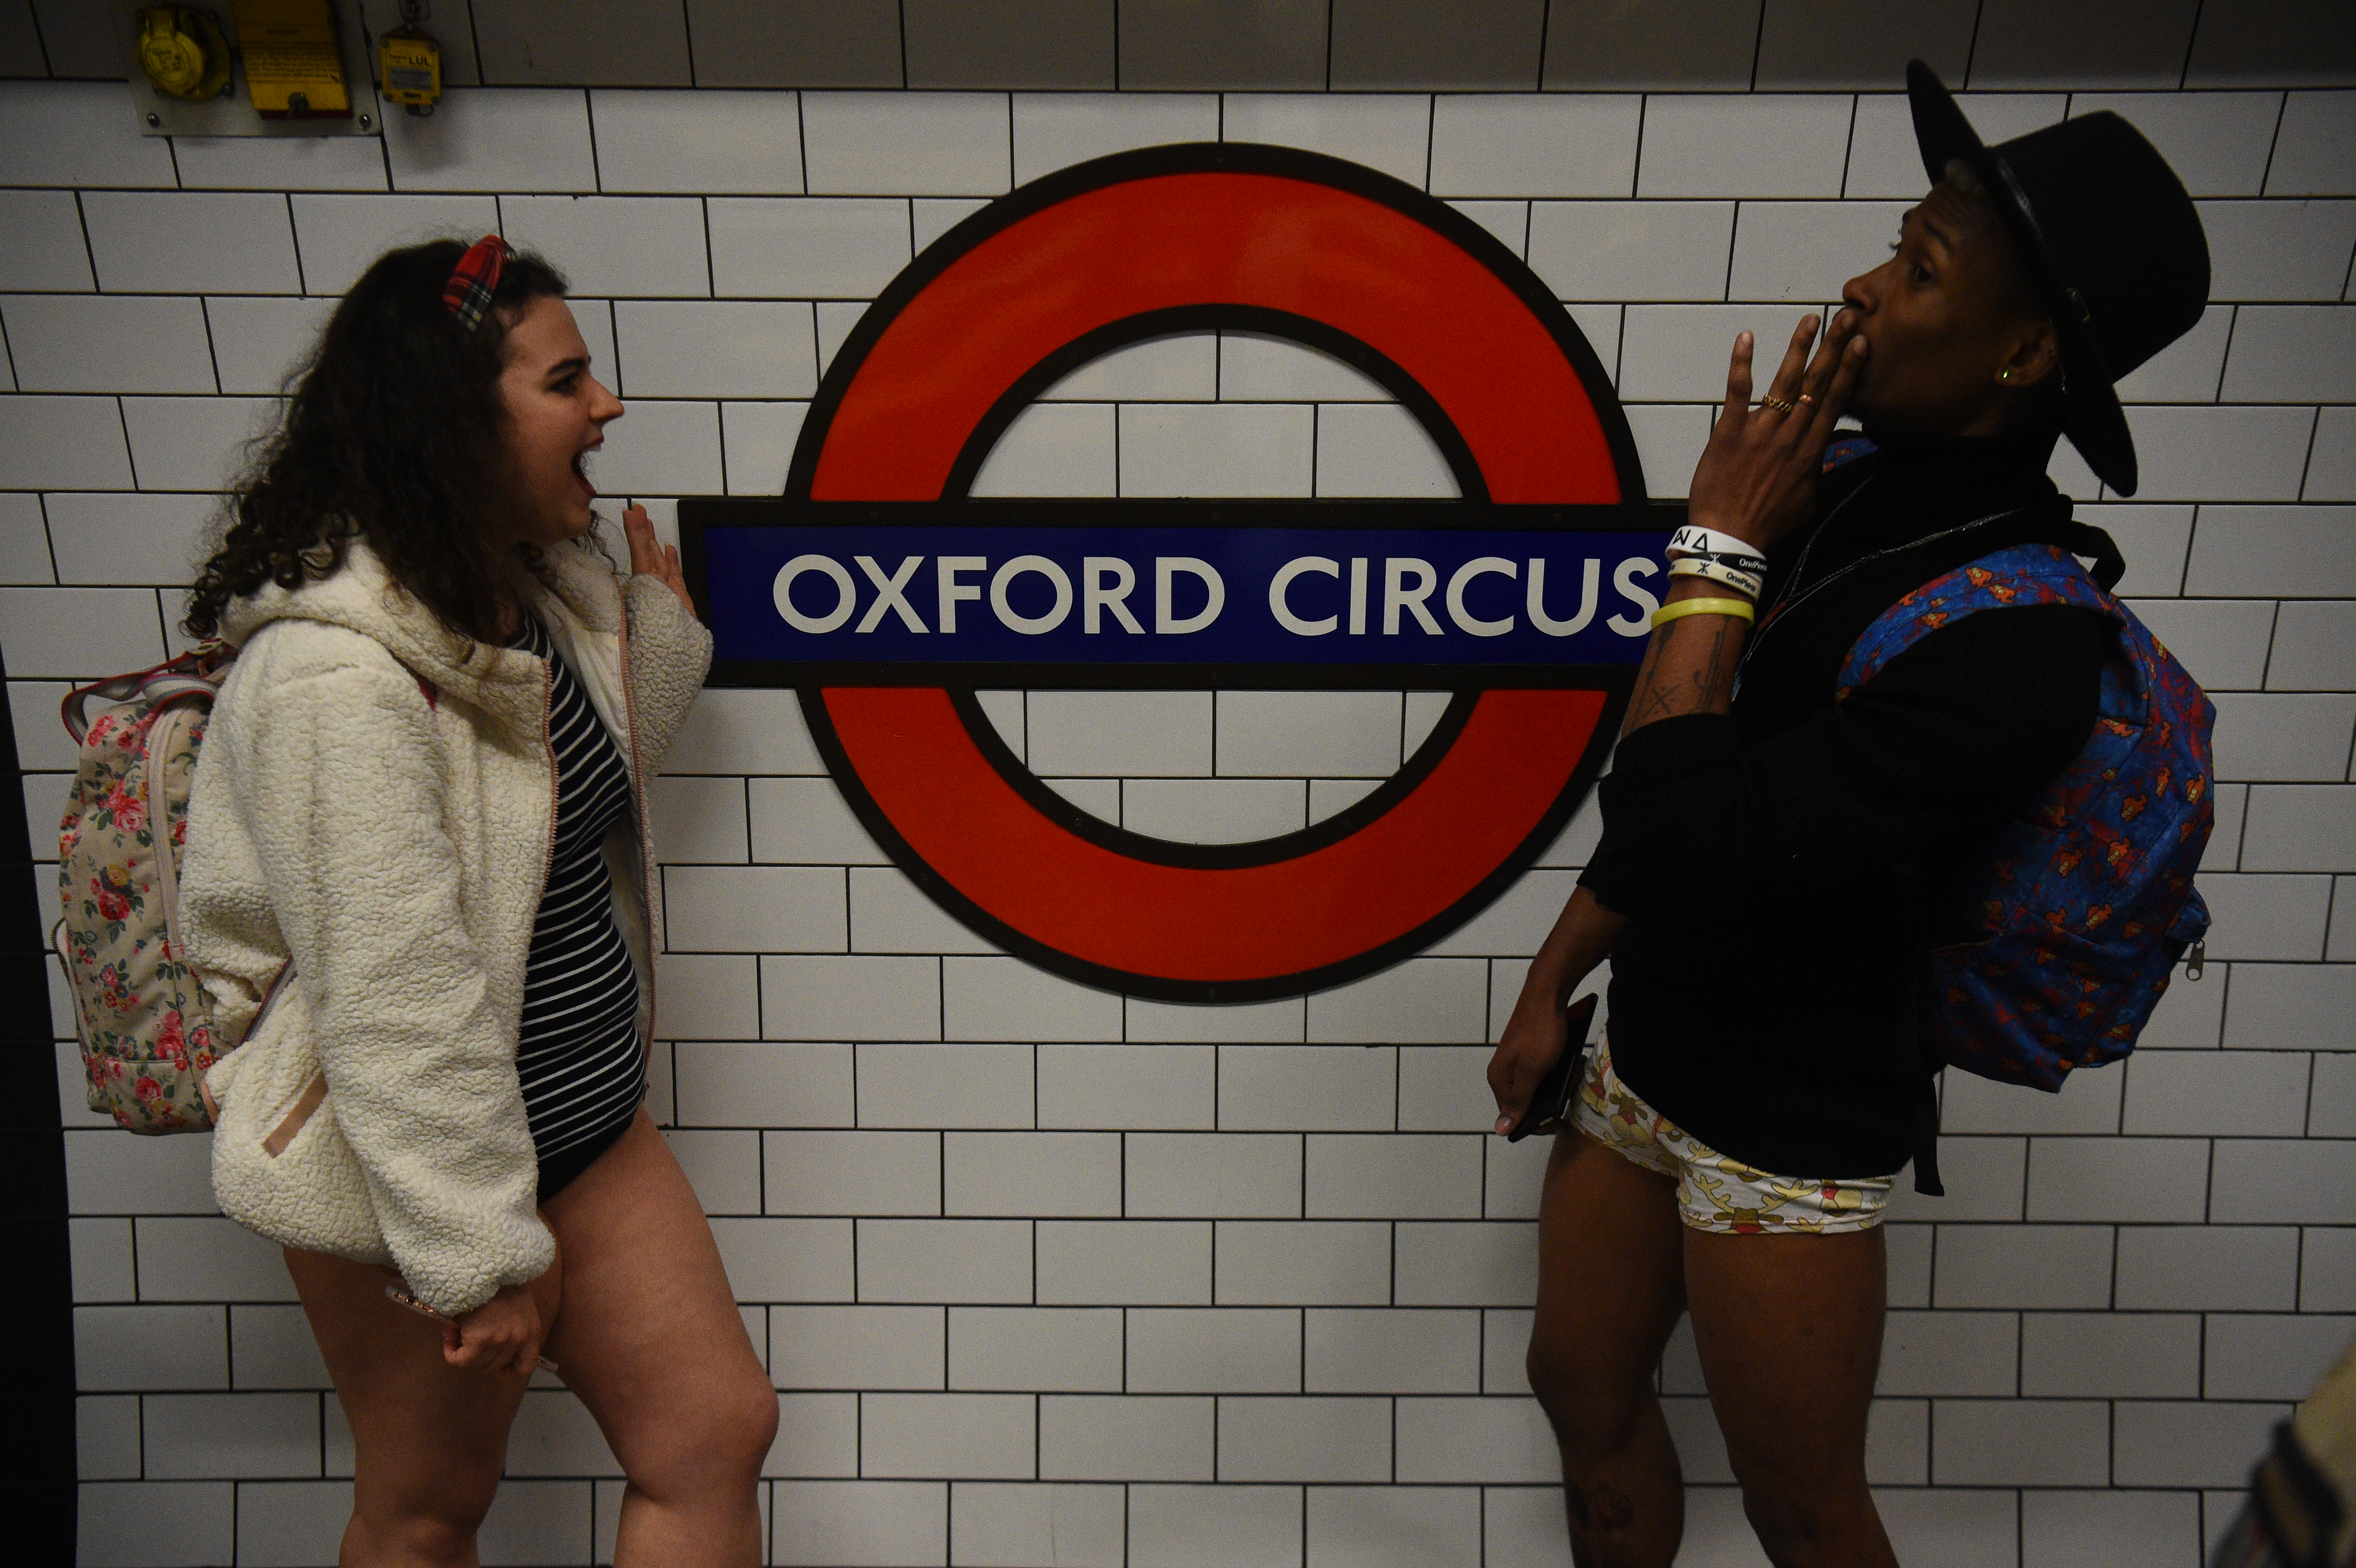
(1943, 314)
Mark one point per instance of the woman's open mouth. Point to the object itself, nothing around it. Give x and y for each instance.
(580, 471)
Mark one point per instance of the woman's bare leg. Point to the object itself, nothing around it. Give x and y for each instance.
(1789, 1328)
(430, 1439)
(1610, 1289)
(650, 1339)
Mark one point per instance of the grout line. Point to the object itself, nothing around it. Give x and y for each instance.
(1971, 49)
(2274, 144)
(2191, 37)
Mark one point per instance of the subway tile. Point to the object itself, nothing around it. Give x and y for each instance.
(2049, 1267)
(1949, 1527)
(193, 443)
(280, 163)
(1317, 1088)
(1175, 449)
(1394, 1527)
(1233, 1526)
(723, 1166)
(2059, 1528)
(786, 1260)
(806, 247)
(1378, 450)
(116, 539)
(1032, 1174)
(698, 820)
(259, 341)
(1389, 1351)
(1670, 45)
(2286, 552)
(2162, 1443)
(824, 1172)
(1524, 1527)
(1985, 1181)
(907, 143)
(1513, 1182)
(757, 444)
(340, 236)
(1420, 43)
(944, 1085)
(1669, 441)
(1745, 145)
(113, 1348)
(709, 997)
(1233, 1022)
(1423, 1001)
(1885, 161)
(1005, 998)
(41, 243)
(698, 142)
(2145, 1179)
(2221, 642)
(1162, 1088)
(2215, 1267)
(494, 138)
(1053, 131)
(1393, 1175)
(850, 997)
(799, 43)
(2314, 646)
(723, 348)
(1875, 41)
(804, 820)
(2189, 369)
(1517, 923)
(554, 1434)
(1099, 1438)
(2229, 454)
(1681, 351)
(1304, 1439)
(2020, 1442)
(292, 1522)
(2231, 803)
(2332, 1106)
(77, 133)
(748, 733)
(2249, 1093)
(207, 1258)
(2291, 354)
(2315, 145)
(858, 1524)
(1213, 1175)
(1007, 1525)
(1802, 252)
(2328, 1270)
(616, 245)
(1289, 1262)
(2277, 1005)
(1026, 1349)
(271, 1347)
(1008, 43)
(117, 1517)
(818, 1435)
(2247, 1356)
(1509, 222)
(2285, 737)
(2154, 539)
(2136, 42)
(755, 909)
(2281, 1180)
(2088, 1103)
(929, 218)
(1120, 733)
(2278, 250)
(661, 449)
(2341, 944)
(945, 1259)
(1460, 1264)
(1390, 132)
(1140, 1262)
(624, 44)
(101, 1252)
(1620, 249)
(1286, 734)
(1053, 449)
(115, 1175)
(1515, 144)
(858, 1346)
(1485, 1440)
(1949, 1353)
(102, 343)
(763, 1084)
(1213, 1351)
(2217, 142)
(1253, 368)
(1182, 368)
(2110, 1355)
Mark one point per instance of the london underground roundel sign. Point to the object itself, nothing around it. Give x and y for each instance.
(888, 597)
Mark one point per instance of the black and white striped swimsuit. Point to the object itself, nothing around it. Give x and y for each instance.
(577, 1055)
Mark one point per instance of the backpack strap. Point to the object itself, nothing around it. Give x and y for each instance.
(2022, 575)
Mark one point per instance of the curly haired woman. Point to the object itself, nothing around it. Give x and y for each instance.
(417, 882)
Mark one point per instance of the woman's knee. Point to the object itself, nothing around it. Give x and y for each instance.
(720, 1438)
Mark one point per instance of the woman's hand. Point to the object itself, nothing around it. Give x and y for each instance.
(1535, 1039)
(503, 1335)
(649, 557)
(1757, 478)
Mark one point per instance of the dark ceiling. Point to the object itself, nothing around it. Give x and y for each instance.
(1316, 45)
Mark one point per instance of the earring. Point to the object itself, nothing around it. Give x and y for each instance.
(2005, 374)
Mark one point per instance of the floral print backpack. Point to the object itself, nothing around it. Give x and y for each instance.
(143, 1017)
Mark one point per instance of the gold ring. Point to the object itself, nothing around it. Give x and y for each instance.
(1771, 401)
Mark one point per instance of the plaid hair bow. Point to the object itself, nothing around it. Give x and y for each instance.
(474, 281)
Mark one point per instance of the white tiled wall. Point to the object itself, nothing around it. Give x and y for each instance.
(1046, 1274)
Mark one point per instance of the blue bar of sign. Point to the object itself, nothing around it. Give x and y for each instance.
(1334, 595)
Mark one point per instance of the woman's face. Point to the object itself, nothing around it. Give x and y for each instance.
(557, 414)
(1946, 316)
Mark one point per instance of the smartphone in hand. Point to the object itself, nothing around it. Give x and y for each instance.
(1549, 1108)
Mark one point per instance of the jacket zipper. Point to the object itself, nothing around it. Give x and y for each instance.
(645, 830)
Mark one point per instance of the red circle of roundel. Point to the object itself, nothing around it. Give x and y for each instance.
(1257, 229)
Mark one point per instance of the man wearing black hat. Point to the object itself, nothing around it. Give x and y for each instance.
(1765, 854)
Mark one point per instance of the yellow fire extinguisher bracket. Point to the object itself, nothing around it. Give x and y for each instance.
(182, 53)
(293, 67)
(409, 63)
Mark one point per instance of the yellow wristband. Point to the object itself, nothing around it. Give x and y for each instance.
(1738, 608)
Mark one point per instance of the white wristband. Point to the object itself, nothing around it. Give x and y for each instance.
(1693, 540)
(1744, 582)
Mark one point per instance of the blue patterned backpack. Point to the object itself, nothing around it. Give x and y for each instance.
(2088, 900)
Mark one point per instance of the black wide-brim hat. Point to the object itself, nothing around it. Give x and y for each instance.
(2111, 242)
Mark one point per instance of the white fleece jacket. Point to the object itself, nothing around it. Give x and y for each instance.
(395, 845)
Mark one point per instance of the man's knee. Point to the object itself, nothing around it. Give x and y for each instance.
(1796, 1510)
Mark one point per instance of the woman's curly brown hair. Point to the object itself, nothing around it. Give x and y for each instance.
(393, 432)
